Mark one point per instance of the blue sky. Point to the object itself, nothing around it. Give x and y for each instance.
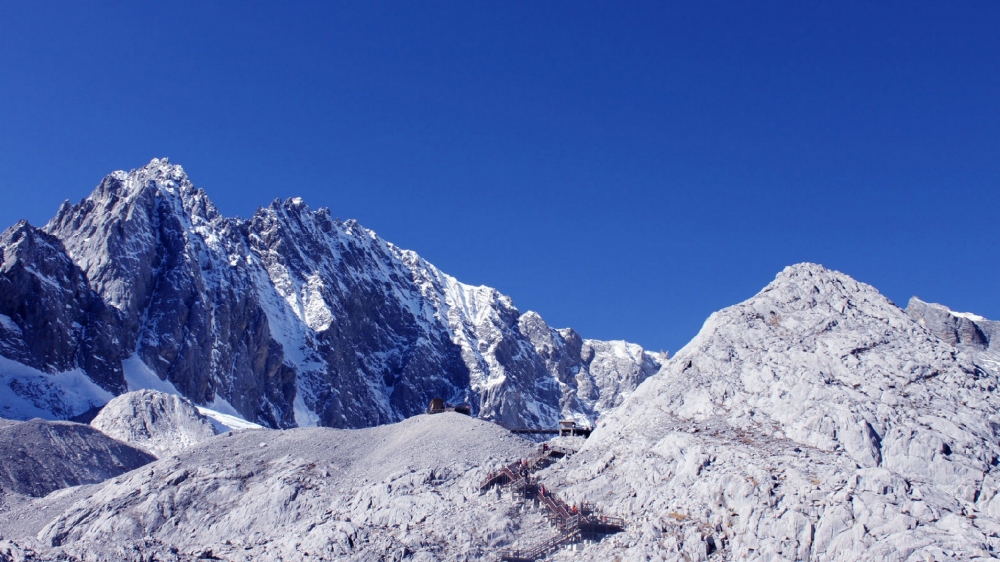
(622, 169)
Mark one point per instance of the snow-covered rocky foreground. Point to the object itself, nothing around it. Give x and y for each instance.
(814, 421)
(407, 490)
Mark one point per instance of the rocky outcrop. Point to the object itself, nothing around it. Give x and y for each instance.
(969, 332)
(158, 423)
(291, 317)
(814, 421)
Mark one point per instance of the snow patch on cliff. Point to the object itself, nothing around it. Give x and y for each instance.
(224, 417)
(26, 392)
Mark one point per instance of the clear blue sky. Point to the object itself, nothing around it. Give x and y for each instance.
(622, 168)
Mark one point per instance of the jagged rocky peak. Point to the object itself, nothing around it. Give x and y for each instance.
(156, 248)
(114, 234)
(295, 318)
(814, 420)
(160, 424)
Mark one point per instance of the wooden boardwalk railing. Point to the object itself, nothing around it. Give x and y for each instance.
(572, 522)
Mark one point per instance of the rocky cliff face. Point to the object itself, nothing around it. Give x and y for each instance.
(291, 317)
(814, 421)
(156, 249)
(50, 319)
(969, 332)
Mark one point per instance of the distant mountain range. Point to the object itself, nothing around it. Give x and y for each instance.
(288, 318)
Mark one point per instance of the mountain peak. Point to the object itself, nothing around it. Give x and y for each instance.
(294, 317)
(816, 278)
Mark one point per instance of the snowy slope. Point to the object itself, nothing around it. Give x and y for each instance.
(290, 317)
(814, 421)
(27, 393)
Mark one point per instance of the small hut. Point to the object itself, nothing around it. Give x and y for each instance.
(437, 406)
(567, 428)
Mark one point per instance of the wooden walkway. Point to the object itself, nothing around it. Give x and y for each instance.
(573, 523)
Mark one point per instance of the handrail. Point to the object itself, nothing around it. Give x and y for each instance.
(572, 523)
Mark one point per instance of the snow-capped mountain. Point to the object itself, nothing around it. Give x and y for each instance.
(816, 421)
(288, 318)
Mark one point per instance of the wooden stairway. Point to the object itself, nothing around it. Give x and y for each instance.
(573, 523)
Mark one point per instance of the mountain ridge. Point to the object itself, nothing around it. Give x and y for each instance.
(815, 420)
(295, 318)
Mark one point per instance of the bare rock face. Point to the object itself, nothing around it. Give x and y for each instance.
(814, 421)
(158, 251)
(50, 319)
(346, 309)
(594, 376)
(291, 317)
(969, 332)
(160, 424)
(38, 457)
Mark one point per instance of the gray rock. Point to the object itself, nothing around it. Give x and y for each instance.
(157, 250)
(38, 457)
(304, 494)
(816, 421)
(50, 319)
(292, 317)
(158, 423)
(968, 332)
(960, 330)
